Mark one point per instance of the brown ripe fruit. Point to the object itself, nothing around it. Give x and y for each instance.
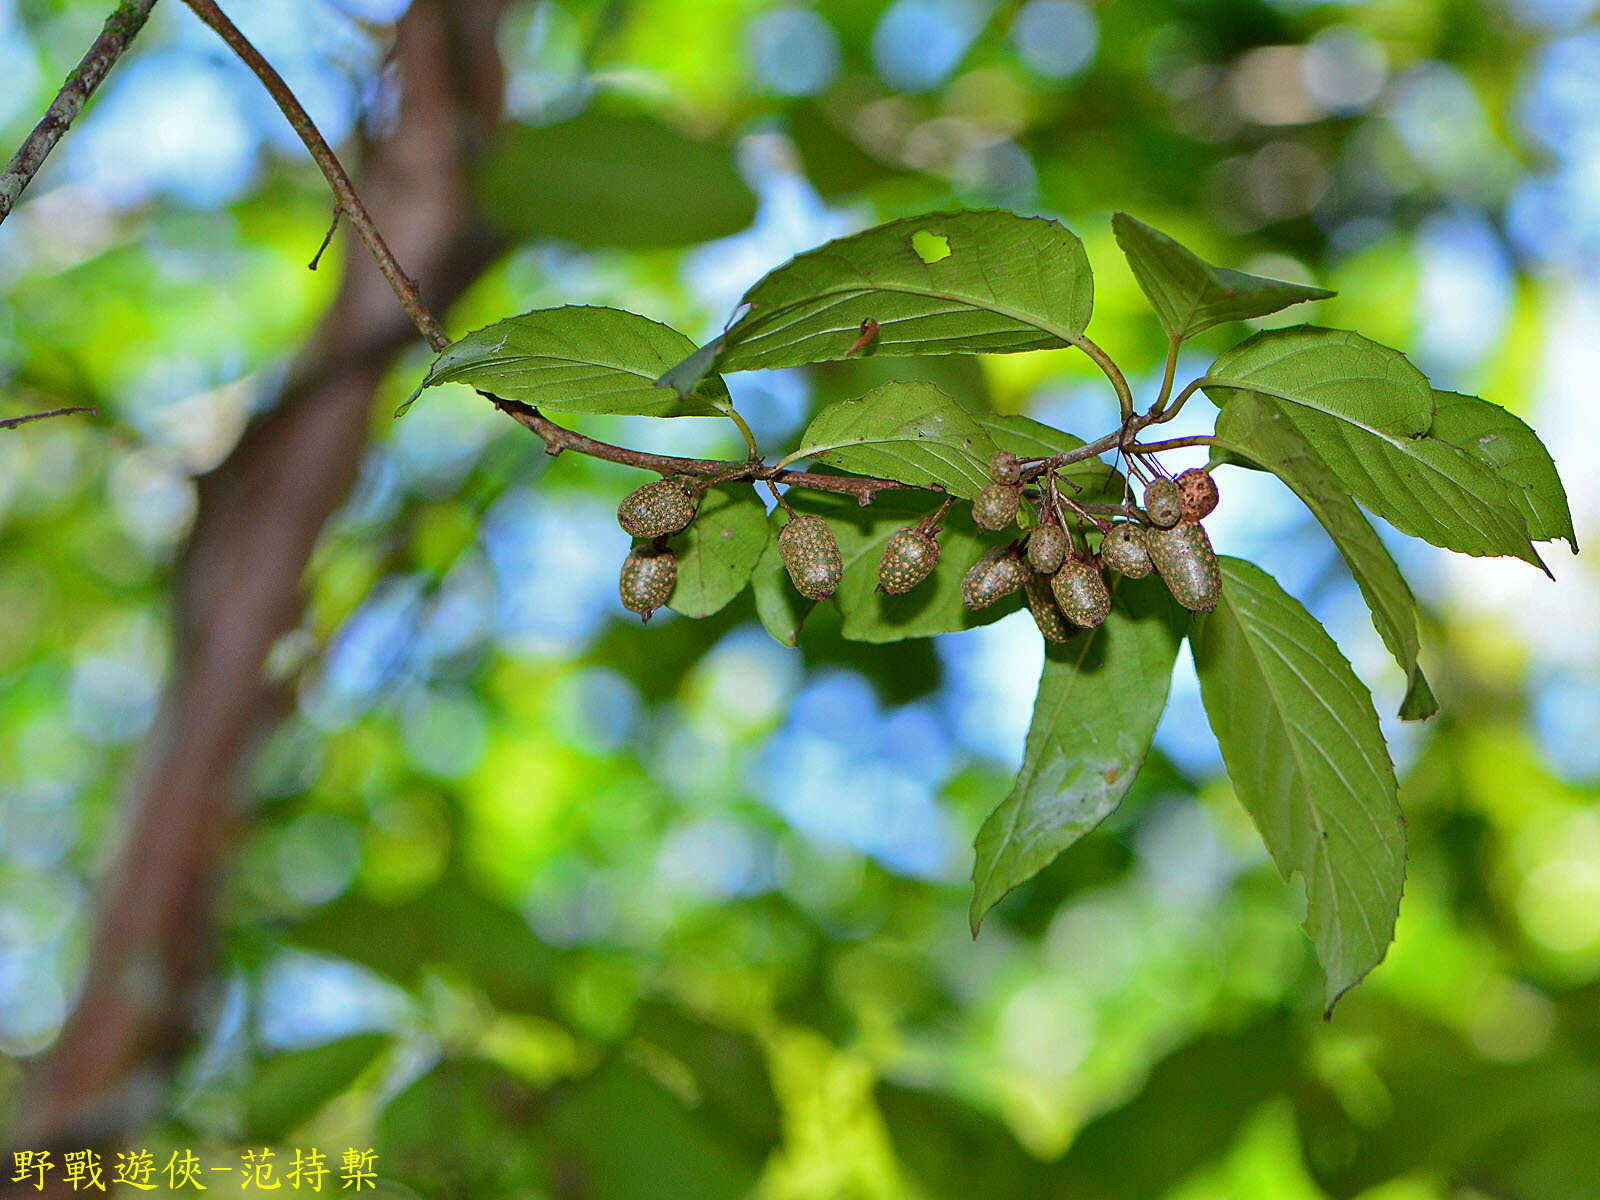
(648, 577)
(657, 509)
(1047, 546)
(811, 555)
(1123, 550)
(1005, 467)
(1197, 494)
(1162, 503)
(992, 578)
(1046, 615)
(996, 506)
(1081, 592)
(1187, 564)
(909, 557)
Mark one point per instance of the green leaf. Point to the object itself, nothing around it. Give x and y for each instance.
(577, 359)
(1302, 746)
(1100, 697)
(1258, 429)
(1365, 411)
(946, 283)
(1367, 389)
(1504, 443)
(287, 1089)
(781, 609)
(719, 550)
(1188, 293)
(932, 607)
(613, 179)
(910, 432)
(1027, 438)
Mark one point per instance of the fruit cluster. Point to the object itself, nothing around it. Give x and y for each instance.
(1059, 570)
(1061, 575)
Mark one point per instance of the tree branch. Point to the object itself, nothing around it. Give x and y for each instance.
(332, 170)
(121, 27)
(13, 422)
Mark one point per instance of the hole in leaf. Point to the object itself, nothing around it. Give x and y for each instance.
(930, 247)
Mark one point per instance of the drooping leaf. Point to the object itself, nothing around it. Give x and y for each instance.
(963, 282)
(1302, 746)
(1188, 293)
(907, 431)
(287, 1089)
(1258, 428)
(719, 550)
(577, 358)
(1100, 697)
(1365, 411)
(613, 179)
(1027, 438)
(1504, 443)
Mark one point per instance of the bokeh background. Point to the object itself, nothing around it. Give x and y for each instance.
(537, 903)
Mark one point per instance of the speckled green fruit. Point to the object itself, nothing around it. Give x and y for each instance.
(1047, 546)
(1005, 467)
(648, 577)
(1046, 615)
(996, 506)
(811, 555)
(657, 508)
(1123, 550)
(1187, 564)
(992, 579)
(909, 557)
(1162, 503)
(1081, 593)
(1197, 494)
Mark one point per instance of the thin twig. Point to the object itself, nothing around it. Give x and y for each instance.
(1177, 443)
(13, 422)
(121, 27)
(332, 169)
(327, 239)
(558, 438)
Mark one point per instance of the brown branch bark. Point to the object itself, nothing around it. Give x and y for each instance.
(238, 589)
(121, 27)
(13, 422)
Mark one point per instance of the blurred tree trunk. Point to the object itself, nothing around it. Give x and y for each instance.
(238, 588)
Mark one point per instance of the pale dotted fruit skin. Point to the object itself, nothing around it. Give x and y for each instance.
(648, 577)
(1005, 468)
(1162, 503)
(909, 557)
(992, 579)
(1197, 494)
(1123, 550)
(1081, 593)
(657, 509)
(1187, 564)
(1046, 615)
(811, 555)
(996, 506)
(1047, 547)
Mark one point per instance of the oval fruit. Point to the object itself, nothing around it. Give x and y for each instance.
(1081, 592)
(648, 577)
(991, 579)
(996, 506)
(1046, 614)
(1197, 494)
(1123, 550)
(1187, 564)
(1163, 504)
(658, 508)
(1047, 547)
(909, 557)
(811, 555)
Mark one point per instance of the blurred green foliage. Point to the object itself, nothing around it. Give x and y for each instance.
(516, 907)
